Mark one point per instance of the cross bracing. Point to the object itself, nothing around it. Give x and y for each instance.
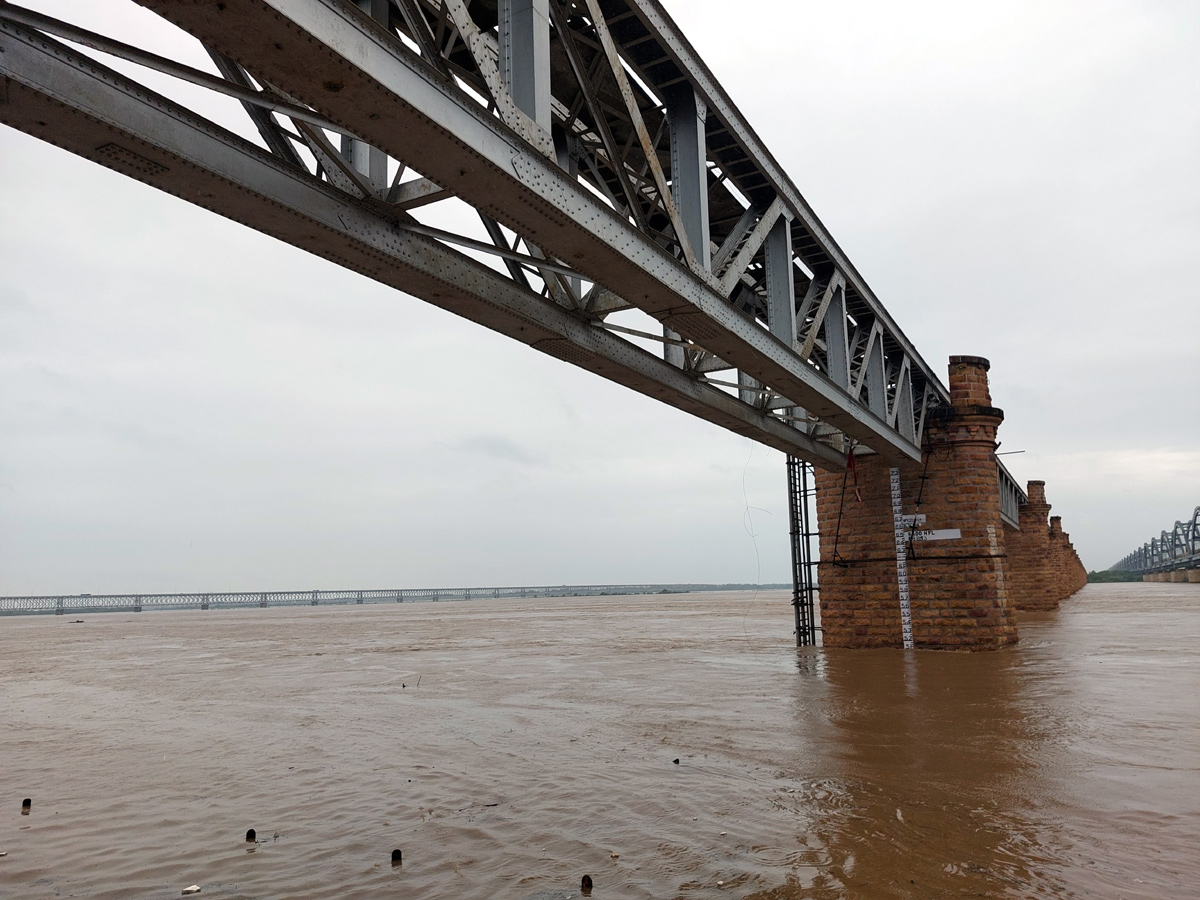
(1178, 548)
(610, 180)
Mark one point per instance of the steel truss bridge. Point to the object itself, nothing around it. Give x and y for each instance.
(614, 209)
(90, 603)
(1178, 548)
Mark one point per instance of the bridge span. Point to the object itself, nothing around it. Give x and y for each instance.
(1172, 556)
(618, 213)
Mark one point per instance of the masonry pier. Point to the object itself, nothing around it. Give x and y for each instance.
(1034, 585)
(918, 554)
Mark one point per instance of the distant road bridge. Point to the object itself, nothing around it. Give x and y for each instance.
(74, 604)
(616, 210)
(1173, 556)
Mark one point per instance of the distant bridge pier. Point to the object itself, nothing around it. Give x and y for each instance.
(1044, 567)
(1069, 573)
(929, 535)
(1033, 579)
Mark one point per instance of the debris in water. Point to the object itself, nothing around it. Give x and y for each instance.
(675, 760)
(192, 889)
(615, 855)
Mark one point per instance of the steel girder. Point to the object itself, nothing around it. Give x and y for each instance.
(597, 193)
(58, 94)
(1178, 548)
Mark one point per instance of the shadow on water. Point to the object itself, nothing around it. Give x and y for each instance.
(929, 780)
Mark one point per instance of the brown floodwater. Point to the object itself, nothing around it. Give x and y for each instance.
(669, 746)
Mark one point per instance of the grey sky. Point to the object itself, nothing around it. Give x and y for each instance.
(185, 404)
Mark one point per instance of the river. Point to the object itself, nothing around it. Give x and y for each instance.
(669, 746)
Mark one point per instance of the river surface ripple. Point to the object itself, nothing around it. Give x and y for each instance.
(541, 744)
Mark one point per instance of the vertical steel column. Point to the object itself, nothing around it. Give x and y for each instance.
(835, 340)
(876, 380)
(689, 171)
(905, 422)
(525, 56)
(371, 161)
(781, 288)
(686, 115)
(804, 588)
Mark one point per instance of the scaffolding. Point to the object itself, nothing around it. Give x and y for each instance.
(801, 495)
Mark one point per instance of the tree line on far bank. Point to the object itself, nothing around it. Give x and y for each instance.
(1108, 576)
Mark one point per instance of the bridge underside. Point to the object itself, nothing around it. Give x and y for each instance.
(606, 180)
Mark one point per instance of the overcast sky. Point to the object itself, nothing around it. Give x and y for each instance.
(188, 405)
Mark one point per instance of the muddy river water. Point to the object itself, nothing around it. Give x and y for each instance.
(669, 746)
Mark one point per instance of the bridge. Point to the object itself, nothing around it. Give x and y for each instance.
(614, 210)
(62, 604)
(1173, 556)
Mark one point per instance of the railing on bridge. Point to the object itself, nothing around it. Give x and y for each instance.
(1012, 496)
(1178, 548)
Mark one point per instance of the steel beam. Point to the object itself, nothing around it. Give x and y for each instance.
(836, 352)
(525, 56)
(57, 94)
(689, 173)
(781, 289)
(330, 56)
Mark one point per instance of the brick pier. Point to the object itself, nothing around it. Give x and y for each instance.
(963, 591)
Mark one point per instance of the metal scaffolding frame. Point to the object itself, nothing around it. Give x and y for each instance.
(803, 530)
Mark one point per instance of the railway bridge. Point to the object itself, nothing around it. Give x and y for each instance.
(1172, 556)
(615, 211)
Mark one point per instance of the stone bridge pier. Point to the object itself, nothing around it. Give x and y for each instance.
(953, 559)
(1034, 582)
(929, 535)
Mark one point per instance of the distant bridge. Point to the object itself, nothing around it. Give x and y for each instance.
(1177, 550)
(61, 604)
